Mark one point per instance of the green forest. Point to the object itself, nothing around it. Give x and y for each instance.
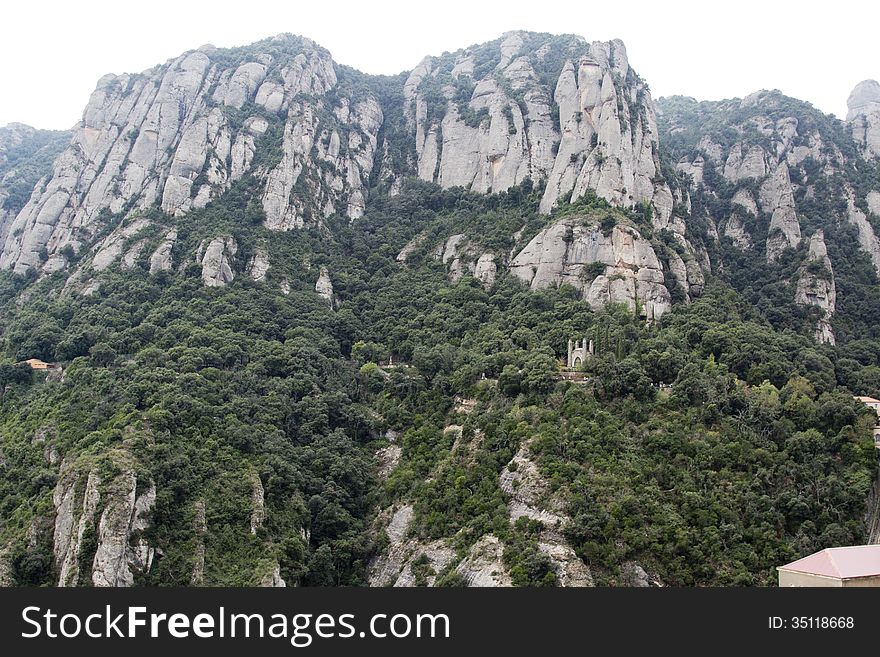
(710, 446)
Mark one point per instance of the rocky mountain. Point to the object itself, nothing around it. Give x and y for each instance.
(304, 325)
(569, 115)
(864, 117)
(26, 156)
(771, 178)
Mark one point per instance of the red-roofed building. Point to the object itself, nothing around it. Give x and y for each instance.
(857, 565)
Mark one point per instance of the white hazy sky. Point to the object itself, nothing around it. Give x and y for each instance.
(52, 52)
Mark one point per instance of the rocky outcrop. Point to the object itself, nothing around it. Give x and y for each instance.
(529, 496)
(693, 168)
(331, 164)
(872, 514)
(616, 266)
(411, 247)
(26, 156)
(742, 165)
(590, 127)
(160, 260)
(216, 259)
(735, 227)
(120, 551)
(864, 116)
(272, 578)
(387, 459)
(258, 504)
(174, 135)
(111, 248)
(259, 264)
(815, 286)
(462, 257)
(868, 240)
(394, 566)
(777, 200)
(485, 270)
(74, 514)
(769, 150)
(324, 286)
(873, 201)
(484, 564)
(633, 575)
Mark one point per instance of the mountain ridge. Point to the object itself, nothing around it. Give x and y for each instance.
(308, 326)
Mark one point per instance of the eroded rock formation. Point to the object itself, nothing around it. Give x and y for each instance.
(616, 266)
(815, 286)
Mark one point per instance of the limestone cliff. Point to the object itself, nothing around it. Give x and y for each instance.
(26, 156)
(864, 116)
(463, 256)
(98, 527)
(216, 258)
(761, 169)
(182, 133)
(554, 109)
(815, 286)
(616, 265)
(757, 150)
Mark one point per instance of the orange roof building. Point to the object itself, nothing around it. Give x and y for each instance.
(853, 566)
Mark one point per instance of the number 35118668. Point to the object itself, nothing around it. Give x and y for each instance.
(811, 623)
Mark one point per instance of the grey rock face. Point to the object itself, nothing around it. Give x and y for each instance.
(167, 136)
(529, 496)
(873, 200)
(324, 286)
(116, 159)
(462, 257)
(777, 200)
(216, 259)
(272, 579)
(26, 156)
(739, 165)
(484, 565)
(693, 168)
(111, 248)
(864, 116)
(603, 137)
(387, 459)
(735, 229)
(73, 516)
(258, 504)
(200, 528)
(757, 157)
(6, 570)
(868, 240)
(485, 270)
(818, 288)
(259, 264)
(161, 258)
(563, 252)
(334, 162)
(634, 575)
(121, 550)
(394, 565)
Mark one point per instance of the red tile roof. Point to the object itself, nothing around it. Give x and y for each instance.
(841, 562)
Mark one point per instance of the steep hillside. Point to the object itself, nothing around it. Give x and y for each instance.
(306, 326)
(26, 155)
(780, 193)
